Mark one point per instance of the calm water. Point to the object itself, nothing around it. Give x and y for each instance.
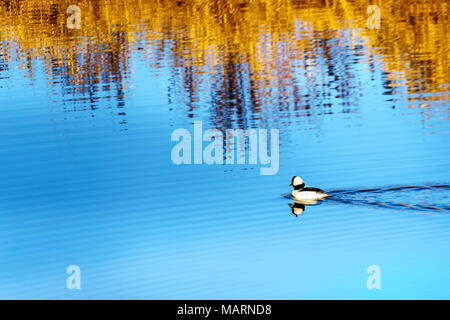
(87, 177)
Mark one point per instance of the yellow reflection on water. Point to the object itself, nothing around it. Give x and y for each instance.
(267, 37)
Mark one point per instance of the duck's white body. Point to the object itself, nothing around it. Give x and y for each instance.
(308, 195)
(301, 193)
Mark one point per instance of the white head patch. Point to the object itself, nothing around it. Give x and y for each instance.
(297, 181)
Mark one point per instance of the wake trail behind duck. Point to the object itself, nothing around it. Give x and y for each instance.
(432, 198)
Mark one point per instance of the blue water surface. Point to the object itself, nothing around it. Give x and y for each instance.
(91, 183)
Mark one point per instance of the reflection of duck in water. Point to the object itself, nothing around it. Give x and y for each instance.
(299, 206)
(301, 193)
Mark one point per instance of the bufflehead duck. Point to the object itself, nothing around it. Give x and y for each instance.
(301, 193)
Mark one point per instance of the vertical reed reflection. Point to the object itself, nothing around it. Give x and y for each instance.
(245, 63)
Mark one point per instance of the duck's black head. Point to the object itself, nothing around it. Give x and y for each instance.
(297, 183)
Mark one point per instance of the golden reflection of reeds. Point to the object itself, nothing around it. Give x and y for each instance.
(412, 42)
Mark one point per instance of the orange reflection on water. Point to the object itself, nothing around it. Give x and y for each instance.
(254, 51)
